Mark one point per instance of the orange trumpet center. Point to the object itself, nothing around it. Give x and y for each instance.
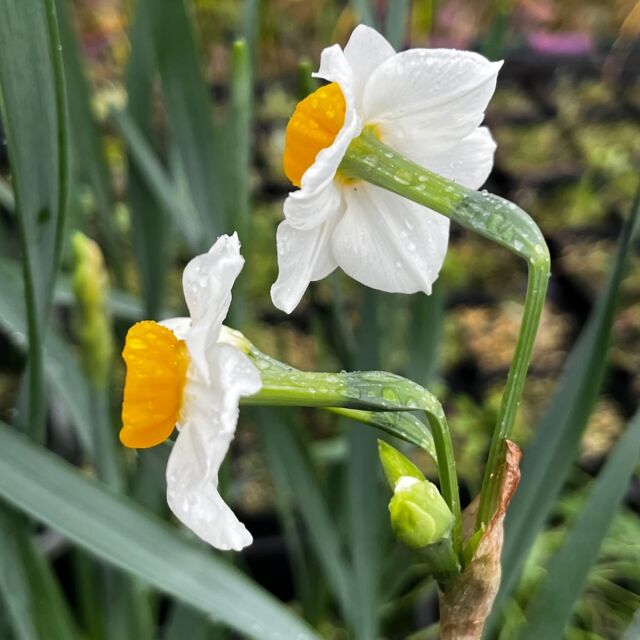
(157, 364)
(313, 127)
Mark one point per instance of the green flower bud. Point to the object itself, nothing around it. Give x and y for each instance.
(419, 515)
(396, 465)
(91, 287)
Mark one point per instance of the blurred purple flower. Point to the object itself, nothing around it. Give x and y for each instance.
(565, 44)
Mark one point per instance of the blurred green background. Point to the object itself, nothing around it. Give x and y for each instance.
(177, 113)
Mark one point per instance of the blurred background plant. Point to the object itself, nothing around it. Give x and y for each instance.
(174, 135)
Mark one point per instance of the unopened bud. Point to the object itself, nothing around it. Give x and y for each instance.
(419, 515)
(396, 465)
(91, 287)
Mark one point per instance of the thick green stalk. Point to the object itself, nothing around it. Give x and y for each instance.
(490, 216)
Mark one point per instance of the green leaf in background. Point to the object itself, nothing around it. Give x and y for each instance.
(364, 12)
(61, 366)
(548, 459)
(161, 192)
(550, 608)
(150, 230)
(34, 602)
(126, 536)
(366, 513)
(633, 630)
(34, 117)
(237, 142)
(395, 26)
(87, 158)
(6, 196)
(184, 622)
(291, 468)
(251, 28)
(365, 503)
(189, 110)
(425, 335)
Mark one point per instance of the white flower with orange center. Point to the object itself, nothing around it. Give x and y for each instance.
(426, 104)
(181, 374)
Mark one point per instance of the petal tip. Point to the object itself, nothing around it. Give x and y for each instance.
(282, 299)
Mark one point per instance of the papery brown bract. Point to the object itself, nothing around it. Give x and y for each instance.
(466, 605)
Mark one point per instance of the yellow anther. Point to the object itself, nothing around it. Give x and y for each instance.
(157, 364)
(313, 126)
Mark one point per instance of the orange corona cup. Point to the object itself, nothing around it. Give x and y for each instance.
(157, 364)
(313, 127)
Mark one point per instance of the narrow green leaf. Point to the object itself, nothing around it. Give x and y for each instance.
(399, 424)
(159, 183)
(550, 608)
(34, 119)
(251, 27)
(366, 512)
(6, 196)
(364, 12)
(188, 108)
(184, 622)
(36, 608)
(237, 143)
(287, 458)
(547, 461)
(308, 578)
(150, 231)
(365, 500)
(425, 335)
(87, 162)
(633, 630)
(395, 26)
(61, 366)
(115, 529)
(33, 111)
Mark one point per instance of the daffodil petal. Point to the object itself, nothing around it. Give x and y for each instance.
(179, 326)
(365, 51)
(305, 209)
(389, 243)
(334, 68)
(207, 281)
(303, 256)
(436, 95)
(469, 162)
(207, 427)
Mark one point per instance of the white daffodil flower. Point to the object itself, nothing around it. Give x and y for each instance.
(426, 104)
(181, 373)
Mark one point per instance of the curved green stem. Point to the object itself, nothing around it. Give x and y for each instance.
(490, 216)
(446, 469)
(357, 394)
(538, 279)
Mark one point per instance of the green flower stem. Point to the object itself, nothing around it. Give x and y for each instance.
(359, 393)
(492, 217)
(443, 563)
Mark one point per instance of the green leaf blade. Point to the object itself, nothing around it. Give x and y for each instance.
(119, 532)
(550, 608)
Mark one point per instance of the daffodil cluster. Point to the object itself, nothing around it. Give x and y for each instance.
(190, 373)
